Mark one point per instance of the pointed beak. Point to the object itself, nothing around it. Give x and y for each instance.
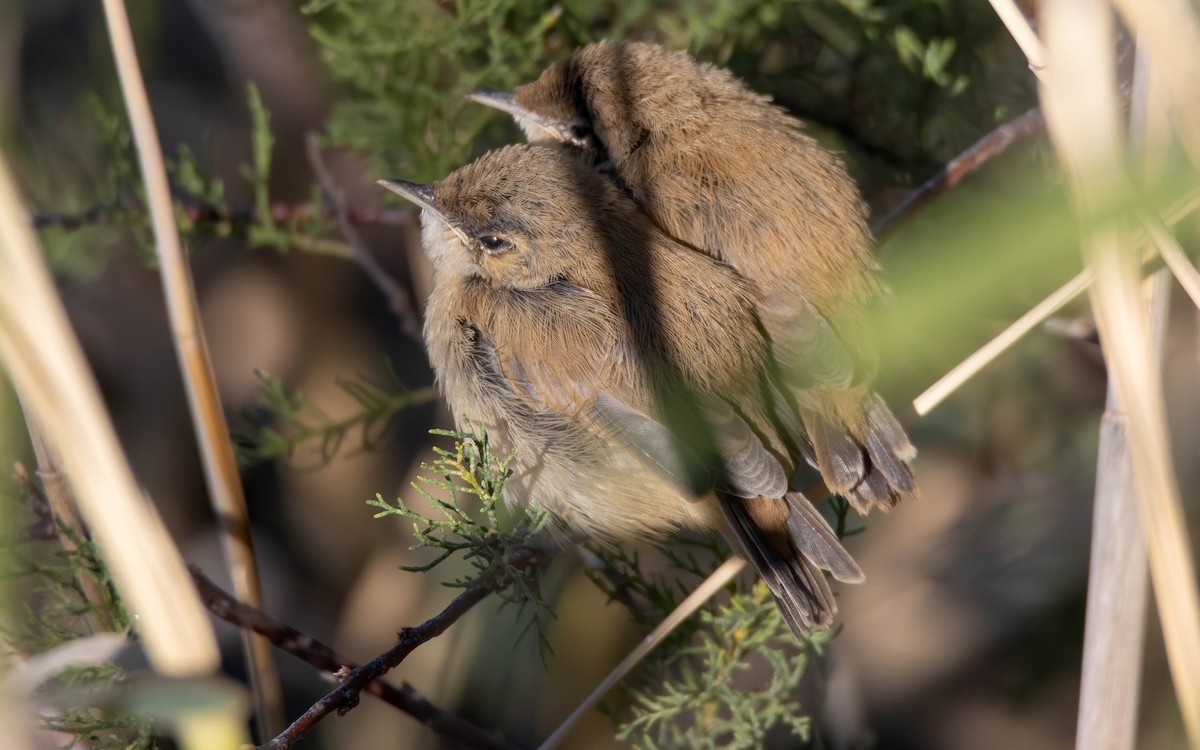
(505, 101)
(422, 195)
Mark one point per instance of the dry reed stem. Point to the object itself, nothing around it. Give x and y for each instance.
(14, 723)
(946, 385)
(694, 601)
(1176, 260)
(1114, 627)
(969, 367)
(1079, 96)
(1022, 33)
(1115, 624)
(212, 433)
(48, 370)
(1171, 28)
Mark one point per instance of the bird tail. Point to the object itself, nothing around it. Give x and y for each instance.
(860, 448)
(789, 543)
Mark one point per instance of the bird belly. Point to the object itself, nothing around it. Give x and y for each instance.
(591, 486)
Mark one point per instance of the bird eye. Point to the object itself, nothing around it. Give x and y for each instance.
(581, 132)
(494, 244)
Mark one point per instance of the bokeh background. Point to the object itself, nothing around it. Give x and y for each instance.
(968, 631)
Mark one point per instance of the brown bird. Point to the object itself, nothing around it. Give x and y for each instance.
(724, 171)
(629, 373)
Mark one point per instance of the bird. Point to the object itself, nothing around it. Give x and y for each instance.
(628, 372)
(721, 169)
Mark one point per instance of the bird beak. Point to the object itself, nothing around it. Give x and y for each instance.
(422, 195)
(506, 101)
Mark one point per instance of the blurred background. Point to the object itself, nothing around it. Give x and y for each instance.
(968, 631)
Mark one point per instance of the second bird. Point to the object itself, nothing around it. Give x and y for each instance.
(723, 170)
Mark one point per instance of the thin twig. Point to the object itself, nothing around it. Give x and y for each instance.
(694, 601)
(212, 433)
(198, 214)
(1022, 33)
(981, 152)
(1176, 260)
(971, 366)
(345, 696)
(399, 300)
(323, 657)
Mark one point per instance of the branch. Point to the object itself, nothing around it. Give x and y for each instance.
(323, 657)
(981, 152)
(399, 300)
(345, 697)
(197, 213)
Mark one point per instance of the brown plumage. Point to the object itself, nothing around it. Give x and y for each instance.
(722, 170)
(629, 372)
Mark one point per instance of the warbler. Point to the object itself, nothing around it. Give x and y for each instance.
(724, 171)
(630, 373)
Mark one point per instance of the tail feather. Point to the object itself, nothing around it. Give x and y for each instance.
(796, 580)
(815, 539)
(889, 446)
(839, 458)
(872, 492)
(861, 450)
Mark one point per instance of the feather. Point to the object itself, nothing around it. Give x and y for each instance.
(800, 589)
(815, 539)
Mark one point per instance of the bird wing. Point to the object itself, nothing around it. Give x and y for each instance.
(563, 349)
(807, 348)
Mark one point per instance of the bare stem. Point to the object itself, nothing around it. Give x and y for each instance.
(280, 213)
(981, 152)
(399, 299)
(1079, 95)
(1022, 33)
(694, 601)
(345, 696)
(212, 433)
(323, 657)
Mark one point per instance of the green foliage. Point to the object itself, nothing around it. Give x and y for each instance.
(288, 425)
(495, 545)
(202, 208)
(102, 731)
(407, 66)
(902, 87)
(56, 580)
(730, 689)
(890, 80)
(67, 593)
(725, 678)
(207, 213)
